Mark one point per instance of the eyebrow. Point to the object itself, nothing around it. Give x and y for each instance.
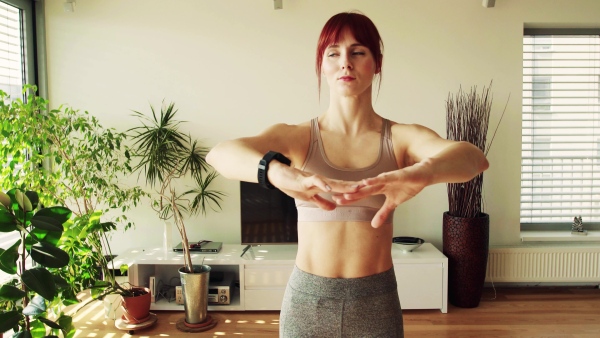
(352, 45)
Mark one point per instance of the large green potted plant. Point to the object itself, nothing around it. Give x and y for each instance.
(169, 159)
(465, 225)
(70, 159)
(25, 300)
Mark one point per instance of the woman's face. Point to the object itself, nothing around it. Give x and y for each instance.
(348, 66)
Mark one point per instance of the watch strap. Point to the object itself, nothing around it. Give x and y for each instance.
(263, 167)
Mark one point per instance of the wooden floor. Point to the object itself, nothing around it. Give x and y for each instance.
(515, 312)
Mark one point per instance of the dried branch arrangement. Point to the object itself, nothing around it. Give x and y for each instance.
(467, 119)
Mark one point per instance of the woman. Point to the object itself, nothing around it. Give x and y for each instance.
(348, 170)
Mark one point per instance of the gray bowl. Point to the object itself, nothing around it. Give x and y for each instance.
(407, 244)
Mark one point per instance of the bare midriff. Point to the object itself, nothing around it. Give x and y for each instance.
(344, 249)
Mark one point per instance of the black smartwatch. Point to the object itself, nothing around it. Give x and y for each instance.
(263, 167)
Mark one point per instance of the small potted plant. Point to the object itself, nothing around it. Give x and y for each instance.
(168, 158)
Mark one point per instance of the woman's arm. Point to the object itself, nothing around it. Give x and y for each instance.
(426, 159)
(238, 160)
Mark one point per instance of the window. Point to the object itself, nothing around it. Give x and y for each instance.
(560, 168)
(17, 63)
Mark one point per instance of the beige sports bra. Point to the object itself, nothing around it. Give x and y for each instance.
(317, 162)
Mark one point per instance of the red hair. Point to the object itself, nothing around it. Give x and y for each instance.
(363, 30)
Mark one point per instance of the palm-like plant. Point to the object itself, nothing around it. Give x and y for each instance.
(166, 157)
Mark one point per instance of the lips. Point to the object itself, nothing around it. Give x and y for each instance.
(346, 78)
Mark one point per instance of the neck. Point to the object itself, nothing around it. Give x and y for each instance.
(350, 114)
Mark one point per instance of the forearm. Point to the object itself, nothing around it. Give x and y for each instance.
(235, 160)
(459, 162)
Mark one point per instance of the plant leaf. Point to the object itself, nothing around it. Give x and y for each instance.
(34, 198)
(23, 201)
(66, 323)
(5, 200)
(36, 307)
(47, 223)
(22, 334)
(40, 281)
(12, 293)
(49, 256)
(9, 319)
(50, 323)
(8, 258)
(8, 222)
(59, 214)
(38, 329)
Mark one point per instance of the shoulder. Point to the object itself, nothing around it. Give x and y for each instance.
(411, 141)
(402, 132)
(291, 140)
(282, 128)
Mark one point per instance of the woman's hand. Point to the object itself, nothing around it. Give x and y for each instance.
(307, 186)
(398, 187)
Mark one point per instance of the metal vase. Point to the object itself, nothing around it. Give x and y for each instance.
(195, 293)
(466, 244)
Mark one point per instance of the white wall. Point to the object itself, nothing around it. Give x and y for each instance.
(234, 67)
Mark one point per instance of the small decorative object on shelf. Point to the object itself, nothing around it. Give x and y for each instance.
(577, 227)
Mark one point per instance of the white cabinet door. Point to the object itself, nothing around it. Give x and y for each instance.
(420, 285)
(264, 285)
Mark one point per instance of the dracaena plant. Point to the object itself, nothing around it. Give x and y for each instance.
(25, 298)
(168, 158)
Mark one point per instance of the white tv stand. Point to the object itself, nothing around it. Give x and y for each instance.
(263, 272)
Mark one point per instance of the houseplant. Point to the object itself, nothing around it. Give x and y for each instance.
(169, 158)
(25, 300)
(70, 159)
(465, 225)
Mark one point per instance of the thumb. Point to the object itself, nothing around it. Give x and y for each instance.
(382, 215)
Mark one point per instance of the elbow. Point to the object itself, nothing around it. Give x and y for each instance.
(210, 156)
(484, 165)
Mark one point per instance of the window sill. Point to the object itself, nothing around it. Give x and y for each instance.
(559, 236)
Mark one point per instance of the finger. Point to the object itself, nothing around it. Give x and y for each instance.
(339, 186)
(378, 180)
(363, 192)
(323, 203)
(339, 199)
(319, 183)
(382, 215)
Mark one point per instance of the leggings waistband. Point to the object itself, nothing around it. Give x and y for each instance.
(343, 288)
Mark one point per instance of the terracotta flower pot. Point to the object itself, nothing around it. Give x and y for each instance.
(136, 309)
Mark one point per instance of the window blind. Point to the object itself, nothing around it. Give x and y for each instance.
(12, 75)
(560, 157)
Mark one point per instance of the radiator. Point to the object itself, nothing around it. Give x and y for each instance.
(544, 264)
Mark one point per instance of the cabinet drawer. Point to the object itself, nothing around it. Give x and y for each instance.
(264, 299)
(420, 286)
(266, 276)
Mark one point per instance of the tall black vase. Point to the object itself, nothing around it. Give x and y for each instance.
(466, 244)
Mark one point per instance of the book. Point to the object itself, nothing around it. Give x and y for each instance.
(152, 287)
(207, 247)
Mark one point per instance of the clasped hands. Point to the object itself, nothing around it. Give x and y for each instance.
(398, 186)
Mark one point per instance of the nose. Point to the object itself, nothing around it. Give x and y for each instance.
(345, 62)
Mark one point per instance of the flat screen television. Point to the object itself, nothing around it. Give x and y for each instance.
(268, 216)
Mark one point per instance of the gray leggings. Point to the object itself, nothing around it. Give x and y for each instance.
(315, 306)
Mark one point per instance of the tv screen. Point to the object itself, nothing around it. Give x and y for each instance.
(268, 215)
